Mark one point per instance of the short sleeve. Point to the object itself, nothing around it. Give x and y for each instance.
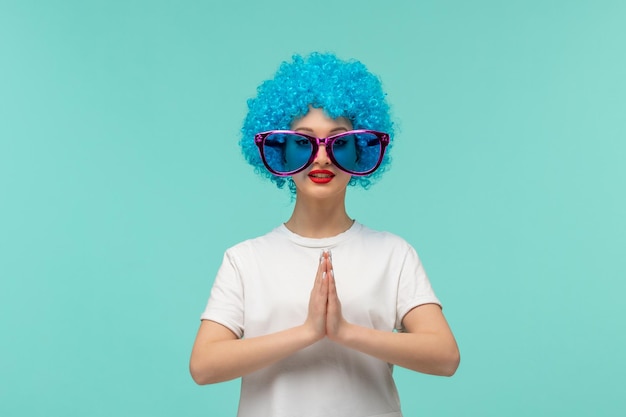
(414, 287)
(225, 305)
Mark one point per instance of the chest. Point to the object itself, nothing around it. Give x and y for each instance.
(276, 296)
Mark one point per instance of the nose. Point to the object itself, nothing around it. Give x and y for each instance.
(322, 156)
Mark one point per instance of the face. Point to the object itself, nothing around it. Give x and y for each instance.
(322, 179)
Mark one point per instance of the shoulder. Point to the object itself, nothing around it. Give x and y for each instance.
(385, 238)
(272, 239)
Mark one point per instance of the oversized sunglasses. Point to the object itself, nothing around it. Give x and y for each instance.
(357, 152)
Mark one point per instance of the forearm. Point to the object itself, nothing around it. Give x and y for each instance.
(430, 353)
(223, 360)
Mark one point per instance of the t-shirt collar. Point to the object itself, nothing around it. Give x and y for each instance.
(326, 242)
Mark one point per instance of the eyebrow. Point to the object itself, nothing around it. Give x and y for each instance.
(335, 130)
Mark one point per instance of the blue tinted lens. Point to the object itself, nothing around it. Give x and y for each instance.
(286, 152)
(357, 152)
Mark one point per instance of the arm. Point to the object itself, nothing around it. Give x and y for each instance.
(218, 355)
(427, 346)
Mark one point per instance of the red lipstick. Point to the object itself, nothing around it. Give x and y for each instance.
(321, 176)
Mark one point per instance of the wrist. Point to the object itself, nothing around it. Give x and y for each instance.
(345, 333)
(309, 334)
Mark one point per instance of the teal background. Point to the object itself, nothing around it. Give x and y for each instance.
(121, 185)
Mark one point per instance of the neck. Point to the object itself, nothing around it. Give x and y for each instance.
(316, 218)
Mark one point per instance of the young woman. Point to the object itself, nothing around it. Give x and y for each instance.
(314, 314)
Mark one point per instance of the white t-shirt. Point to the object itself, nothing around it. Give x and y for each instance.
(263, 287)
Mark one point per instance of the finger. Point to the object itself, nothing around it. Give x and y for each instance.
(319, 276)
(324, 288)
(324, 263)
(332, 287)
(329, 261)
(319, 294)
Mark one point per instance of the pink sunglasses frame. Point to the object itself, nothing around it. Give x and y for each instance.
(259, 140)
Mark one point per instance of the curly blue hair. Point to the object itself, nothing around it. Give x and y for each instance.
(341, 88)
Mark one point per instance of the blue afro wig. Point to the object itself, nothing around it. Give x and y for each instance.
(341, 88)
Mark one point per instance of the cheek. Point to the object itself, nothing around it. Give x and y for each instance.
(299, 177)
(343, 177)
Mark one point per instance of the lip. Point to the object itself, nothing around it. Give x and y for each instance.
(321, 176)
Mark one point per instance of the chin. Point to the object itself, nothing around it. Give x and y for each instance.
(321, 191)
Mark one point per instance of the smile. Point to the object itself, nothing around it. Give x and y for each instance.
(321, 176)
